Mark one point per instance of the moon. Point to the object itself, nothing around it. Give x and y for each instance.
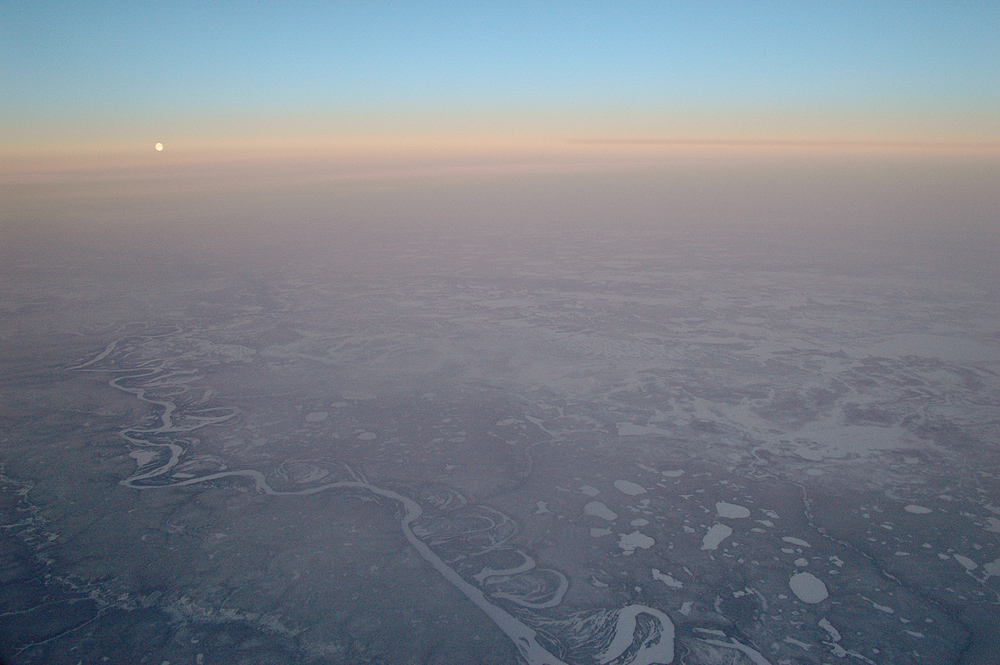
(159, 147)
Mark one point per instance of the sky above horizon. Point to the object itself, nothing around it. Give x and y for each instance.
(112, 73)
(283, 111)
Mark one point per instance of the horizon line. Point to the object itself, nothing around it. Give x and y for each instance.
(785, 143)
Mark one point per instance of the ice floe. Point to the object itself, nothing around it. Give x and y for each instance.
(731, 510)
(715, 536)
(630, 542)
(316, 417)
(589, 490)
(630, 488)
(808, 588)
(673, 473)
(795, 541)
(598, 509)
(917, 510)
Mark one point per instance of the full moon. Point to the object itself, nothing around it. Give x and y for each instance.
(159, 147)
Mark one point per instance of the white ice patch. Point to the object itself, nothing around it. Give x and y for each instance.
(917, 510)
(966, 562)
(673, 473)
(630, 488)
(598, 509)
(880, 608)
(715, 536)
(992, 568)
(598, 533)
(589, 490)
(711, 631)
(541, 508)
(828, 627)
(366, 436)
(808, 588)
(630, 542)
(667, 579)
(795, 541)
(731, 510)
(316, 417)
(830, 438)
(686, 607)
(640, 522)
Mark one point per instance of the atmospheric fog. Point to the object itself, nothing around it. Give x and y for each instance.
(736, 410)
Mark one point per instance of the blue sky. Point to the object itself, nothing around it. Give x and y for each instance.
(932, 69)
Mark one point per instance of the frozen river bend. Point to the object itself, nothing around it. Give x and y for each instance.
(611, 454)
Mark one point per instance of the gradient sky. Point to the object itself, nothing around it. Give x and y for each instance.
(111, 72)
(308, 129)
(274, 111)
